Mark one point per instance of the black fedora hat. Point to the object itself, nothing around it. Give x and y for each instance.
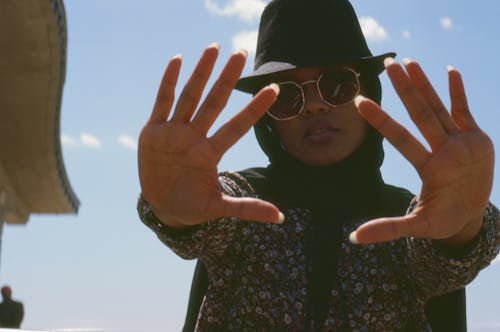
(304, 33)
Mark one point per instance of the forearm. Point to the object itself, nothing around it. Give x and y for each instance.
(438, 268)
(207, 239)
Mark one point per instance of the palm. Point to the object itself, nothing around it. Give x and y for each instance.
(186, 167)
(178, 161)
(455, 182)
(456, 174)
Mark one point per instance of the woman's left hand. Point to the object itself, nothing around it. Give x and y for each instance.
(457, 173)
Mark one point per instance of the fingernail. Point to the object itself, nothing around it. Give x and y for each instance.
(353, 237)
(281, 218)
(243, 51)
(275, 87)
(405, 61)
(358, 100)
(177, 56)
(450, 68)
(388, 61)
(215, 44)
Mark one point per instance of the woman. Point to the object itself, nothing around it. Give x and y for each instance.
(317, 241)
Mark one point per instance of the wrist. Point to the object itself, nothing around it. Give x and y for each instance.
(162, 216)
(167, 220)
(466, 235)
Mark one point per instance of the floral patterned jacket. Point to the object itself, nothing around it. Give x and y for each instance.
(258, 280)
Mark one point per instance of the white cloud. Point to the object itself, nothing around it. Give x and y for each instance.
(127, 142)
(67, 140)
(406, 34)
(246, 10)
(90, 141)
(372, 30)
(446, 23)
(246, 40)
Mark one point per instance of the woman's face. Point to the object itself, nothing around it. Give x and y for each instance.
(322, 134)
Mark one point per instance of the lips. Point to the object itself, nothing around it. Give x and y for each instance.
(320, 131)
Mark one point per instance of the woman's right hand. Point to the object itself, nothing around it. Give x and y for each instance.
(178, 162)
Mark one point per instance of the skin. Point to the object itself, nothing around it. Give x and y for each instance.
(322, 134)
(178, 161)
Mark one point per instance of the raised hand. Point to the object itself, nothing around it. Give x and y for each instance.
(457, 173)
(178, 162)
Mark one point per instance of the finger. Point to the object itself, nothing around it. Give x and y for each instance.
(217, 97)
(388, 229)
(427, 91)
(165, 96)
(251, 209)
(419, 111)
(238, 125)
(459, 106)
(395, 133)
(191, 94)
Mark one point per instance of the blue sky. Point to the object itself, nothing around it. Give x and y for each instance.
(102, 269)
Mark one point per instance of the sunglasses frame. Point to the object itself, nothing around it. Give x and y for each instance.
(356, 75)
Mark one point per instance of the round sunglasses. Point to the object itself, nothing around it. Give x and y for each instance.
(336, 87)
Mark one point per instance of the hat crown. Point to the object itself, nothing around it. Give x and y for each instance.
(309, 33)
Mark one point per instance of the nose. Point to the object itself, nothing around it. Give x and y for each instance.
(313, 103)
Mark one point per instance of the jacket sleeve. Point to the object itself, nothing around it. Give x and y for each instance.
(437, 270)
(209, 239)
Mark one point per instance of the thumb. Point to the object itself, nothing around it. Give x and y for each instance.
(388, 229)
(251, 209)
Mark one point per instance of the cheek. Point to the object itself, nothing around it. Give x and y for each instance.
(356, 124)
(357, 132)
(360, 126)
(288, 132)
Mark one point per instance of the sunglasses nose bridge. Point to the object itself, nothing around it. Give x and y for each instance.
(313, 101)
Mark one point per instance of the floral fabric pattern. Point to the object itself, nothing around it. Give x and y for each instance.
(258, 275)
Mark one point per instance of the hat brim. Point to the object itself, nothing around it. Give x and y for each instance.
(262, 75)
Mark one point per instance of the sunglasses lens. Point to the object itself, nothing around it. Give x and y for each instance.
(289, 102)
(339, 87)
